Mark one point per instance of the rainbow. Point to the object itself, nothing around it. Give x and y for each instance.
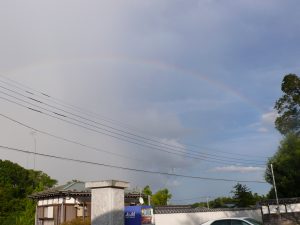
(141, 62)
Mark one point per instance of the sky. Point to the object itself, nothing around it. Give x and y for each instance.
(169, 86)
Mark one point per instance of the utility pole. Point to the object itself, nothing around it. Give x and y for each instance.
(275, 189)
(207, 202)
(33, 133)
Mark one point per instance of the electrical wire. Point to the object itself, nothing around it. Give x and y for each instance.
(118, 130)
(206, 155)
(131, 169)
(78, 109)
(68, 140)
(27, 126)
(178, 153)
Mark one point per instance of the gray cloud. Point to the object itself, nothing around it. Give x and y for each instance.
(200, 72)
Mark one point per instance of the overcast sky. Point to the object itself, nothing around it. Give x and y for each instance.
(195, 81)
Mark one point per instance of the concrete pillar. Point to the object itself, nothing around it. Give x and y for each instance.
(107, 202)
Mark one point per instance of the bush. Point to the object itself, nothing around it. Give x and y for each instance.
(78, 221)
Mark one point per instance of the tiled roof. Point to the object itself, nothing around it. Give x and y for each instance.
(188, 209)
(281, 201)
(74, 188)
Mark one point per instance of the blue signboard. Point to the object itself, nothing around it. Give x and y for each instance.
(132, 215)
(138, 215)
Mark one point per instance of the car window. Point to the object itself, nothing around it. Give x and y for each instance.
(221, 222)
(238, 222)
(253, 221)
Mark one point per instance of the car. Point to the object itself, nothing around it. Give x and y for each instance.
(233, 221)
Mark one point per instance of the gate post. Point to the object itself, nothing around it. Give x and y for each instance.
(107, 202)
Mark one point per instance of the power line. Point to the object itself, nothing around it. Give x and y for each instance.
(58, 101)
(113, 133)
(132, 169)
(78, 109)
(68, 140)
(118, 130)
(178, 153)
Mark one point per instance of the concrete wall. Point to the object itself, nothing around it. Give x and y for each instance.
(201, 217)
(283, 208)
(289, 214)
(107, 207)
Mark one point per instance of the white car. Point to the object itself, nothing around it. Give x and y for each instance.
(233, 221)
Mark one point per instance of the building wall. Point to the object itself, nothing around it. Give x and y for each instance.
(289, 214)
(58, 210)
(201, 217)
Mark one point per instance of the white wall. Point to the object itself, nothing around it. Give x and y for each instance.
(201, 217)
(289, 208)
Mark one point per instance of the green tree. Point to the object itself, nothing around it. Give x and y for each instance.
(286, 168)
(288, 106)
(16, 183)
(78, 221)
(161, 197)
(243, 196)
(221, 202)
(147, 191)
(199, 205)
(286, 160)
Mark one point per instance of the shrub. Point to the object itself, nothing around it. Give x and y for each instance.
(78, 221)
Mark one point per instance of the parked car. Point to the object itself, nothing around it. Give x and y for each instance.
(233, 221)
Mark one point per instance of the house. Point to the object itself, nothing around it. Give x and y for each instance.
(69, 201)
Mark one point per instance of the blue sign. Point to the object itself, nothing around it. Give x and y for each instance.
(132, 215)
(138, 215)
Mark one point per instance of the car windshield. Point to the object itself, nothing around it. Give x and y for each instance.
(254, 222)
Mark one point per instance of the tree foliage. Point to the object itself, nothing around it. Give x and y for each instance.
(78, 221)
(286, 167)
(220, 202)
(286, 160)
(147, 191)
(160, 198)
(16, 183)
(243, 197)
(288, 106)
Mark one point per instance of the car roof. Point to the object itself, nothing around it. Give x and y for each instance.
(231, 218)
(227, 218)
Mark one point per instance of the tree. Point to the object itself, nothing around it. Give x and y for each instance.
(78, 221)
(220, 202)
(286, 168)
(147, 191)
(286, 160)
(243, 196)
(288, 106)
(161, 197)
(16, 183)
